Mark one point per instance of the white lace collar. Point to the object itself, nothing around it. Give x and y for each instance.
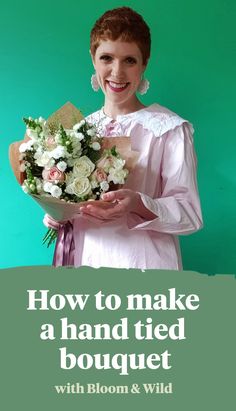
(155, 118)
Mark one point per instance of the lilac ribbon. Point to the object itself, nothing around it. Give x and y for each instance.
(65, 247)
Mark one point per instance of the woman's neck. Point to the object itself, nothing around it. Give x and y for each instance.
(113, 110)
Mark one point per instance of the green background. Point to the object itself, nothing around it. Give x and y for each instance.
(203, 365)
(44, 62)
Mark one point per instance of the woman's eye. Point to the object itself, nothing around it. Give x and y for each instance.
(105, 57)
(130, 60)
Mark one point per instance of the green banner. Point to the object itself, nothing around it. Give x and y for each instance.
(105, 338)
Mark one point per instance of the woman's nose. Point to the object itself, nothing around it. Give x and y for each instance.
(116, 69)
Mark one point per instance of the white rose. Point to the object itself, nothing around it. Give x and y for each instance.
(80, 187)
(104, 186)
(96, 146)
(43, 160)
(83, 167)
(117, 176)
(56, 191)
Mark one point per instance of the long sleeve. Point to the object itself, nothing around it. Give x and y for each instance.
(177, 207)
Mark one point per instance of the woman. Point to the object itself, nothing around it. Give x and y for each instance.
(138, 225)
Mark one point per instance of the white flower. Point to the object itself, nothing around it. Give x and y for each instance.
(47, 187)
(96, 146)
(91, 132)
(61, 166)
(39, 152)
(80, 187)
(104, 186)
(118, 163)
(22, 148)
(69, 189)
(30, 144)
(78, 125)
(83, 167)
(56, 191)
(43, 160)
(79, 136)
(71, 161)
(76, 145)
(58, 152)
(117, 176)
(94, 183)
(26, 146)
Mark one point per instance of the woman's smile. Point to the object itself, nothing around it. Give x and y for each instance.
(117, 87)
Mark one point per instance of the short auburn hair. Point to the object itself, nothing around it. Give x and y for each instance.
(125, 24)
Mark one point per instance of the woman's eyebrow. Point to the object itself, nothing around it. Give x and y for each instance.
(112, 54)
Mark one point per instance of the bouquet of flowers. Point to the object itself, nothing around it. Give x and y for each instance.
(62, 167)
(68, 164)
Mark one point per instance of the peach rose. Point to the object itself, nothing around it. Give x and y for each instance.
(105, 163)
(53, 174)
(100, 175)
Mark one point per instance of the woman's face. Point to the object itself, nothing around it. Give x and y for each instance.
(119, 67)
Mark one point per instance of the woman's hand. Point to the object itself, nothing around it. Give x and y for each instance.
(116, 204)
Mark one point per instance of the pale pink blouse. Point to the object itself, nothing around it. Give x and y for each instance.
(165, 176)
